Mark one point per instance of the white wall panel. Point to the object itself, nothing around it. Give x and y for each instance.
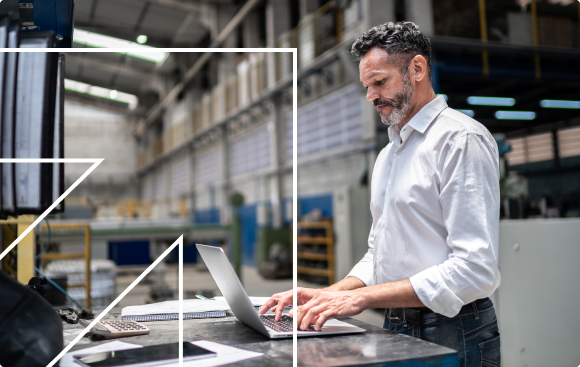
(160, 187)
(180, 177)
(250, 152)
(328, 123)
(147, 189)
(208, 167)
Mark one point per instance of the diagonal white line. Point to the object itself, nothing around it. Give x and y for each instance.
(95, 162)
(181, 304)
(294, 203)
(179, 242)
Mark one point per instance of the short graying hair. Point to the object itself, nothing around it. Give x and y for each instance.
(400, 39)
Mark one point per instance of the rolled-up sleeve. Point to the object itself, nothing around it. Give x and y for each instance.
(469, 198)
(364, 268)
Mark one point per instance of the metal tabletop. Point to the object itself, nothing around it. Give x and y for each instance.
(376, 347)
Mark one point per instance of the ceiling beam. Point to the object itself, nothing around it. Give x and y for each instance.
(188, 6)
(136, 91)
(114, 106)
(113, 29)
(89, 61)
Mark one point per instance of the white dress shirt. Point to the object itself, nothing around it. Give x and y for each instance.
(435, 207)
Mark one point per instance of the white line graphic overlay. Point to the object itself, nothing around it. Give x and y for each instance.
(95, 161)
(178, 242)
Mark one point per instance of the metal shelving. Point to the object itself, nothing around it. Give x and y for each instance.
(309, 233)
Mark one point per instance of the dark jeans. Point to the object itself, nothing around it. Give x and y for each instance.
(473, 333)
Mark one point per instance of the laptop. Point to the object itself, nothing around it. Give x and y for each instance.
(229, 284)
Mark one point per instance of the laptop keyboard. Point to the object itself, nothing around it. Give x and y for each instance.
(283, 325)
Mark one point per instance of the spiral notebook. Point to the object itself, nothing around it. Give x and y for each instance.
(169, 310)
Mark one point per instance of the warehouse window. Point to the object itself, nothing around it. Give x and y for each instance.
(208, 167)
(147, 188)
(535, 148)
(159, 185)
(289, 136)
(328, 123)
(180, 178)
(251, 152)
(569, 142)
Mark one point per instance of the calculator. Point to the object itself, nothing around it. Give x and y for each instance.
(118, 328)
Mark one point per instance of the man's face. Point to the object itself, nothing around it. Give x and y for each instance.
(388, 89)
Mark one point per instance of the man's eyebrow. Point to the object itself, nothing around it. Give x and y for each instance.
(372, 75)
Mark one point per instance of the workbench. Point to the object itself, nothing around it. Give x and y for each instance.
(376, 347)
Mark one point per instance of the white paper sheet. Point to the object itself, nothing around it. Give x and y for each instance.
(256, 301)
(189, 305)
(225, 354)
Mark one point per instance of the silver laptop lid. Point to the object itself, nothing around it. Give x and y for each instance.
(229, 284)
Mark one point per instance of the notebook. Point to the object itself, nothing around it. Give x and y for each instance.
(168, 310)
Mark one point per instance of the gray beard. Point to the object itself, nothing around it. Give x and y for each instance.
(401, 103)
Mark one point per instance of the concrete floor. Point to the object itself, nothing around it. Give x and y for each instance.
(198, 279)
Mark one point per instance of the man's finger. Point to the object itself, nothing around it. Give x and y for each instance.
(273, 301)
(309, 316)
(279, 309)
(268, 304)
(322, 318)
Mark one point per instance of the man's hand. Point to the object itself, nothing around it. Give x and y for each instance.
(325, 305)
(277, 302)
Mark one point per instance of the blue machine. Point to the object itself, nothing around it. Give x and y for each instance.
(41, 16)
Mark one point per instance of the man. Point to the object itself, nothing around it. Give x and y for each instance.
(432, 258)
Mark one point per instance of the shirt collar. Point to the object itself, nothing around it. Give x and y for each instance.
(419, 122)
(427, 114)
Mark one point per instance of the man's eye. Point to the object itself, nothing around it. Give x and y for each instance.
(382, 81)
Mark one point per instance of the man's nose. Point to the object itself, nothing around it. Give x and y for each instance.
(372, 94)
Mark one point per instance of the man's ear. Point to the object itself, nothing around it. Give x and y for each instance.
(418, 68)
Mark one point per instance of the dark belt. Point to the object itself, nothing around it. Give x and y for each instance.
(413, 314)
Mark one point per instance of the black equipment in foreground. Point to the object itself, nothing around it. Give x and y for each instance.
(30, 330)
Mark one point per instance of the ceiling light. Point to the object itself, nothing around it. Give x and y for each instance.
(134, 49)
(515, 115)
(491, 101)
(552, 103)
(92, 90)
(141, 39)
(469, 113)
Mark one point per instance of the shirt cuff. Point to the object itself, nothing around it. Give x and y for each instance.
(361, 271)
(434, 293)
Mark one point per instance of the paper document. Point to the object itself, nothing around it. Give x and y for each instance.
(189, 305)
(256, 301)
(225, 354)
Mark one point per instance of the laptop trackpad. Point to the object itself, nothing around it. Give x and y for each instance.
(334, 326)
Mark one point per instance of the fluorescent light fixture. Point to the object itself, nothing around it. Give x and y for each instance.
(491, 101)
(141, 39)
(469, 113)
(515, 115)
(444, 96)
(134, 49)
(552, 103)
(92, 90)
